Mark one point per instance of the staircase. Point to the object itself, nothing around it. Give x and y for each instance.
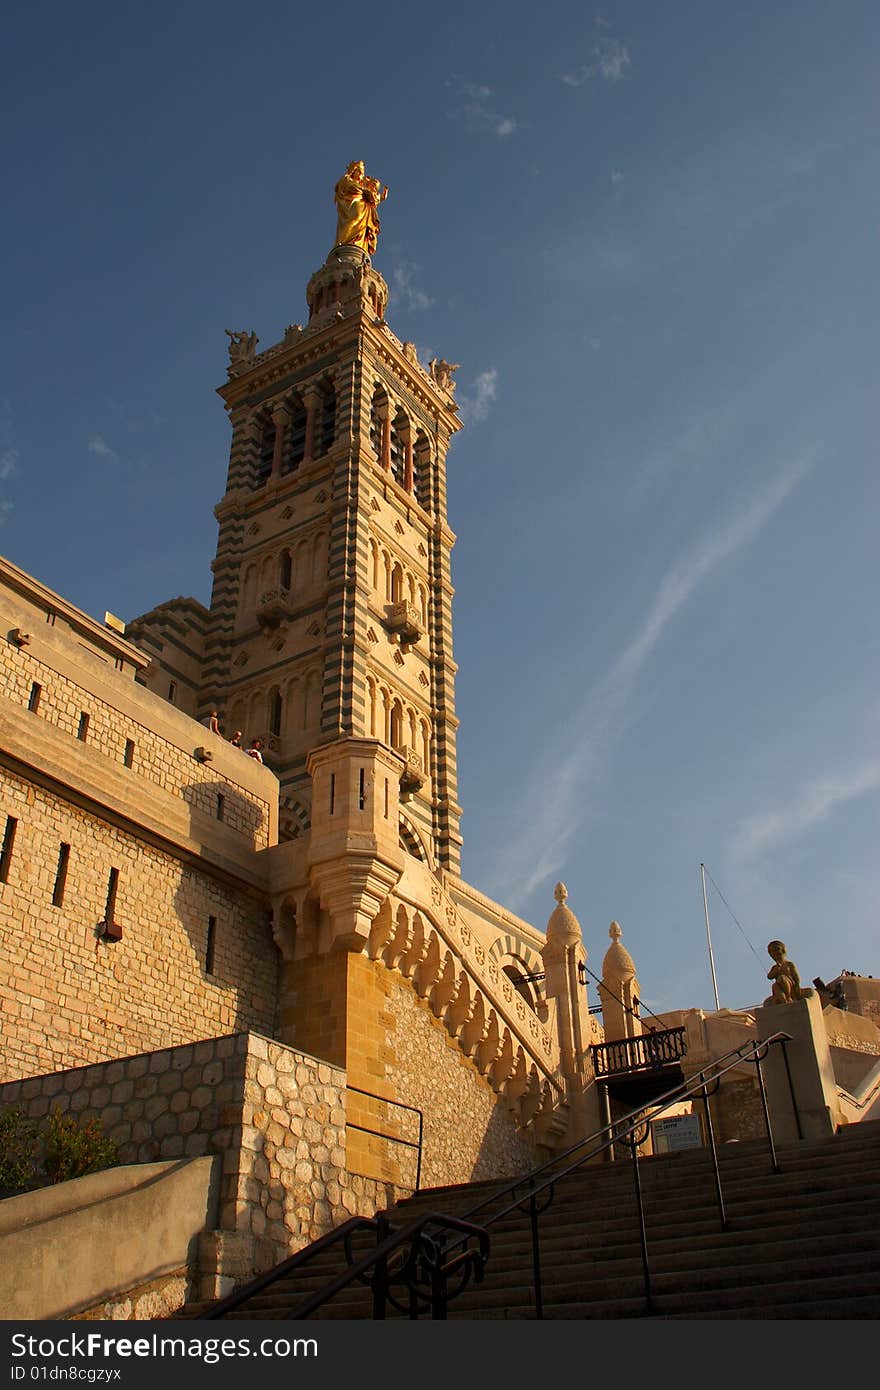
(801, 1243)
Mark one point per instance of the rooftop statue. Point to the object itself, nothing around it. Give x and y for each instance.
(357, 208)
(242, 346)
(785, 977)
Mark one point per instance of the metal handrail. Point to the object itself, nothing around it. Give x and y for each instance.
(640, 1053)
(439, 1257)
(393, 1138)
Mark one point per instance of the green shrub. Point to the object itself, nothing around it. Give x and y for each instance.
(70, 1149)
(32, 1155)
(19, 1146)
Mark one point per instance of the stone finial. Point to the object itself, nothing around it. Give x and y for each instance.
(618, 963)
(563, 926)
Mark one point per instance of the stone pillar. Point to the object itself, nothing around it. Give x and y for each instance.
(311, 398)
(568, 1013)
(809, 1062)
(281, 419)
(408, 460)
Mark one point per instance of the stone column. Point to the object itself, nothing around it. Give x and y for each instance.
(311, 398)
(280, 419)
(408, 459)
(568, 1014)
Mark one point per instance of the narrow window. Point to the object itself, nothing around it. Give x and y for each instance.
(119, 664)
(286, 570)
(50, 617)
(172, 691)
(128, 755)
(276, 710)
(6, 851)
(221, 805)
(82, 732)
(362, 798)
(332, 791)
(61, 876)
(386, 798)
(34, 697)
(112, 889)
(210, 945)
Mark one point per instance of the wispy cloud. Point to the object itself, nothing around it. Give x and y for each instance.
(609, 59)
(812, 805)
(475, 107)
(98, 445)
(404, 288)
(9, 455)
(585, 744)
(475, 405)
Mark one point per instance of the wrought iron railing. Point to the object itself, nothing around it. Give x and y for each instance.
(642, 1053)
(437, 1256)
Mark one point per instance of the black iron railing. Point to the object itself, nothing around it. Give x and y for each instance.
(394, 1138)
(435, 1257)
(648, 1050)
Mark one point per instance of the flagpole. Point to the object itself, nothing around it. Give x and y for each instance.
(709, 936)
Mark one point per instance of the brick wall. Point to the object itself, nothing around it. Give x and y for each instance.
(66, 997)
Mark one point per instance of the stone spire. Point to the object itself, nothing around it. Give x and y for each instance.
(619, 991)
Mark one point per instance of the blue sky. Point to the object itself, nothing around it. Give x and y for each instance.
(648, 234)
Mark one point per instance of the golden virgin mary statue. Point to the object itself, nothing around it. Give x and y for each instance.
(357, 208)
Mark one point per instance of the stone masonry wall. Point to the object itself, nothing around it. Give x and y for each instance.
(276, 1115)
(62, 701)
(468, 1133)
(66, 997)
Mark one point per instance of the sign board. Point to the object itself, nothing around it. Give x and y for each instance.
(676, 1132)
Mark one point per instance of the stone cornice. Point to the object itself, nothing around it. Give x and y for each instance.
(43, 597)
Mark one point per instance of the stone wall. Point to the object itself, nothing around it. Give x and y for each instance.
(276, 1115)
(68, 998)
(117, 716)
(468, 1134)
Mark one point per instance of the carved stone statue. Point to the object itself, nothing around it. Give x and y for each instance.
(242, 347)
(441, 372)
(785, 977)
(357, 208)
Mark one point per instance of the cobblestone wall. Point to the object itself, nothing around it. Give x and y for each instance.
(276, 1115)
(68, 998)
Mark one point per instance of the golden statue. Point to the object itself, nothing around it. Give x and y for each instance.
(357, 207)
(785, 977)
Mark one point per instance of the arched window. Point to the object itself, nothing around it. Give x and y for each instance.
(325, 432)
(265, 448)
(396, 730)
(374, 564)
(397, 583)
(276, 712)
(378, 413)
(422, 470)
(296, 435)
(399, 427)
(285, 570)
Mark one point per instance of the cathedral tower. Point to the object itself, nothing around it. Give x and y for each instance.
(331, 612)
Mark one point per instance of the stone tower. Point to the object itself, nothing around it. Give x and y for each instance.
(331, 611)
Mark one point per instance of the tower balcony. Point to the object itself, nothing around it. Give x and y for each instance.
(413, 775)
(273, 606)
(404, 619)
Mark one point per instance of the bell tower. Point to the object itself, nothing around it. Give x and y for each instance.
(331, 611)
